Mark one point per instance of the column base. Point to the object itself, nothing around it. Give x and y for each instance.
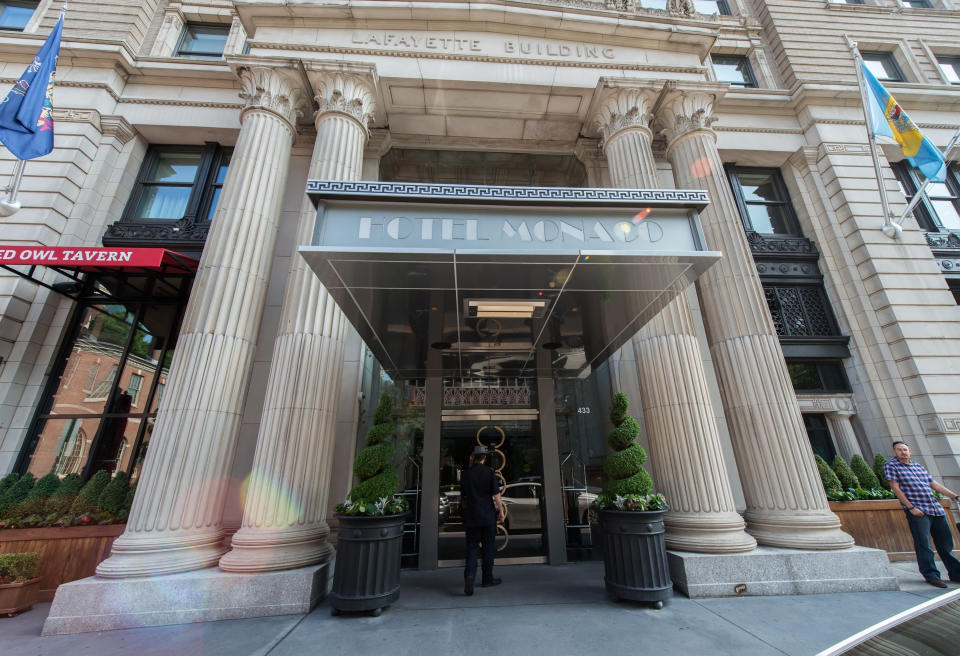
(707, 533)
(259, 550)
(143, 554)
(797, 529)
(771, 571)
(98, 604)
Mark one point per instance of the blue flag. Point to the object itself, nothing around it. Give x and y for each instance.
(26, 114)
(889, 120)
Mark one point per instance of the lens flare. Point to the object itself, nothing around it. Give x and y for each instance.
(701, 168)
(641, 215)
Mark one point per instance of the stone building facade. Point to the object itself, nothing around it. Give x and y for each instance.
(195, 127)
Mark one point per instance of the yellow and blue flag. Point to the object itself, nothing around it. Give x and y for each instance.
(888, 119)
(26, 114)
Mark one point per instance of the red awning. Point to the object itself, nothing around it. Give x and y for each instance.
(98, 259)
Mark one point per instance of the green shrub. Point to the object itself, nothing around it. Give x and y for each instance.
(70, 486)
(827, 476)
(17, 493)
(128, 500)
(624, 467)
(113, 495)
(18, 567)
(90, 493)
(7, 482)
(879, 460)
(374, 464)
(45, 487)
(864, 474)
(847, 478)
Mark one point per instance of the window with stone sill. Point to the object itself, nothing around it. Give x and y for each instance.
(883, 65)
(705, 7)
(822, 376)
(202, 41)
(950, 66)
(917, 4)
(847, 2)
(818, 432)
(734, 69)
(15, 15)
(762, 200)
(177, 182)
(939, 208)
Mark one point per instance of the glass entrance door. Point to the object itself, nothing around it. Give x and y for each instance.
(514, 442)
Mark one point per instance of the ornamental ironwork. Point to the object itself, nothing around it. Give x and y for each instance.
(780, 244)
(800, 311)
(184, 233)
(513, 395)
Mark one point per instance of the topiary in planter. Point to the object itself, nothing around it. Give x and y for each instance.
(45, 487)
(847, 478)
(827, 476)
(7, 482)
(863, 472)
(878, 462)
(90, 493)
(17, 493)
(114, 494)
(624, 467)
(374, 464)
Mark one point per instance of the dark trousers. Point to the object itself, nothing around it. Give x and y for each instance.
(922, 529)
(482, 538)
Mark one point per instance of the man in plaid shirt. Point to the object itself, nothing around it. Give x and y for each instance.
(911, 482)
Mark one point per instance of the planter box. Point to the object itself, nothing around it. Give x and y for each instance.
(367, 572)
(883, 525)
(66, 554)
(16, 597)
(635, 556)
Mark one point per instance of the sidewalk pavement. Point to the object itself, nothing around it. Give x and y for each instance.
(539, 609)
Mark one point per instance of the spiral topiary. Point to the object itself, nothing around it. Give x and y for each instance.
(827, 476)
(624, 467)
(847, 478)
(879, 460)
(863, 472)
(374, 464)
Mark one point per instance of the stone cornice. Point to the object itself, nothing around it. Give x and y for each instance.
(118, 128)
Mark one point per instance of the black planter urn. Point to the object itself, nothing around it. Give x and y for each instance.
(367, 572)
(635, 556)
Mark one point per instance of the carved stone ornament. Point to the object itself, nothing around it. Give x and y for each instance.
(183, 233)
(686, 111)
(943, 240)
(272, 89)
(344, 93)
(681, 7)
(624, 108)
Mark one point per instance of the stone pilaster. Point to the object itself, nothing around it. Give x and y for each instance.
(284, 523)
(684, 442)
(175, 522)
(786, 505)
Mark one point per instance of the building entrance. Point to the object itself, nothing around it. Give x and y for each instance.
(513, 439)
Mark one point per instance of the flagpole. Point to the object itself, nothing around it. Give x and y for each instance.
(890, 229)
(926, 182)
(10, 205)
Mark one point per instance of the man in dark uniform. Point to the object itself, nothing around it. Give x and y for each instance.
(482, 509)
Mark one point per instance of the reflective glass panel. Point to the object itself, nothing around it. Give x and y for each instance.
(175, 167)
(733, 69)
(63, 446)
(203, 41)
(951, 68)
(16, 15)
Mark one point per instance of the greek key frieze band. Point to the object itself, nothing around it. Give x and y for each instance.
(580, 196)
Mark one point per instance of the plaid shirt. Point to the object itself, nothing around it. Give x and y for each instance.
(914, 481)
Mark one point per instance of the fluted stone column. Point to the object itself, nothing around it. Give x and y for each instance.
(684, 442)
(786, 505)
(175, 522)
(843, 434)
(286, 504)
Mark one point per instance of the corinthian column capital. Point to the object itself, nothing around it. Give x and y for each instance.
(276, 90)
(686, 111)
(624, 108)
(344, 93)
